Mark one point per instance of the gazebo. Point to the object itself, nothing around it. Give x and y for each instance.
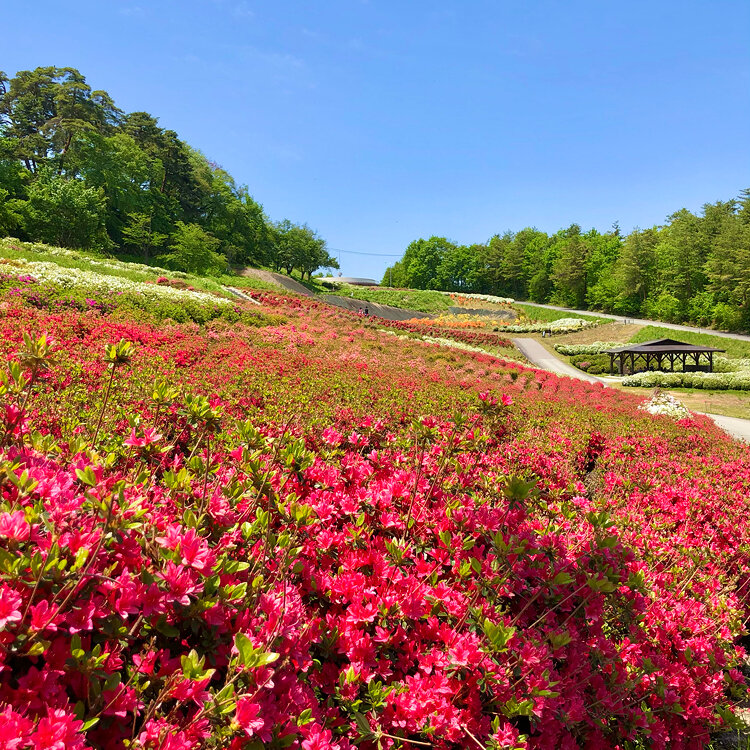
(662, 352)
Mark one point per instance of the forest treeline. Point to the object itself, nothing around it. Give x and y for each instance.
(694, 268)
(77, 171)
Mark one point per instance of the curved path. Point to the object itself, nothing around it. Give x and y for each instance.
(542, 358)
(641, 321)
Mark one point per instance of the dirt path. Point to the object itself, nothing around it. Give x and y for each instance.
(545, 360)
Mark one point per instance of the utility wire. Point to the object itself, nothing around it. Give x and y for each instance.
(375, 255)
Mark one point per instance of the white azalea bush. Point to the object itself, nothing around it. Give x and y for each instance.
(69, 278)
(563, 325)
(48, 286)
(482, 297)
(663, 404)
(718, 381)
(598, 347)
(11, 246)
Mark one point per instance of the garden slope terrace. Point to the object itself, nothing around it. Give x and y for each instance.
(347, 303)
(312, 534)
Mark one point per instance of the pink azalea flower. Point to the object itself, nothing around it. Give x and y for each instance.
(10, 606)
(149, 436)
(14, 729)
(14, 526)
(59, 730)
(248, 716)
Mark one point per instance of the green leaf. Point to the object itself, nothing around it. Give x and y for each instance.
(244, 648)
(86, 476)
(562, 579)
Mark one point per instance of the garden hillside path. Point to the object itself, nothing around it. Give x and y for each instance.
(277, 278)
(381, 311)
(540, 357)
(642, 321)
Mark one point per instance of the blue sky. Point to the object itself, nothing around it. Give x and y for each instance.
(377, 122)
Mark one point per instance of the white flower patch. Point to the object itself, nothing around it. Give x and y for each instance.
(663, 404)
(70, 278)
(117, 265)
(598, 347)
(563, 325)
(482, 297)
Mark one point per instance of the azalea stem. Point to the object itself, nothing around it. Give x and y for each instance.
(403, 739)
(37, 582)
(469, 734)
(104, 405)
(89, 562)
(204, 500)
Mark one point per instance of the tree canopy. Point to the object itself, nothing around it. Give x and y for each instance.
(694, 268)
(75, 170)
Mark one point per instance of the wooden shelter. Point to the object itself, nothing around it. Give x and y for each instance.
(663, 352)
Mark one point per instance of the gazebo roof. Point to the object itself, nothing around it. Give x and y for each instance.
(662, 346)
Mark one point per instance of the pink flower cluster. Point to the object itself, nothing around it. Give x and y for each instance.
(237, 539)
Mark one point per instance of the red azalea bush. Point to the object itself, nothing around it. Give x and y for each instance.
(312, 536)
(427, 328)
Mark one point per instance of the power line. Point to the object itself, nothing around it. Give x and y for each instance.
(375, 255)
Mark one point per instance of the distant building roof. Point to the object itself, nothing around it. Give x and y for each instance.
(662, 346)
(348, 280)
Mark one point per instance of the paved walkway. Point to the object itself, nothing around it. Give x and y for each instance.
(539, 356)
(642, 321)
(542, 358)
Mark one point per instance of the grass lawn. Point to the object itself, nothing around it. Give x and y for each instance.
(543, 315)
(248, 282)
(420, 300)
(727, 403)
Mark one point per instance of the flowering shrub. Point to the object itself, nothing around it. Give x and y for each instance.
(562, 325)
(720, 381)
(312, 535)
(666, 405)
(137, 302)
(466, 296)
(598, 347)
(427, 326)
(110, 264)
(70, 278)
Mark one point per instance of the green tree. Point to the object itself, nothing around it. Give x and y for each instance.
(125, 173)
(636, 266)
(422, 260)
(194, 250)
(300, 247)
(569, 269)
(728, 265)
(460, 269)
(66, 212)
(10, 217)
(139, 235)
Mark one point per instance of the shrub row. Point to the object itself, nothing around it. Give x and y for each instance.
(598, 347)
(132, 304)
(475, 338)
(720, 381)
